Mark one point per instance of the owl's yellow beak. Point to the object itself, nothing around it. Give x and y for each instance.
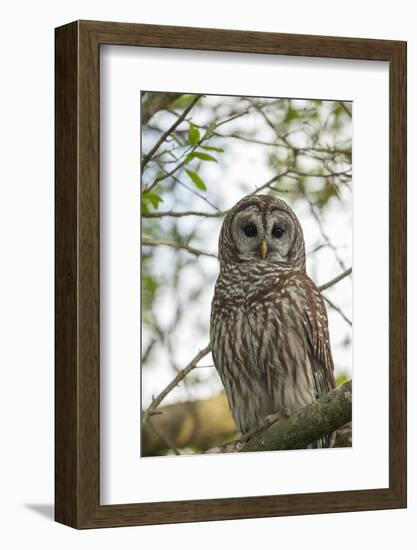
(264, 249)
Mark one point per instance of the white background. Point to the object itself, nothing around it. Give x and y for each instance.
(26, 300)
(125, 478)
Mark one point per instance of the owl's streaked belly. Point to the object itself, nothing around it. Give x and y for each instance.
(262, 357)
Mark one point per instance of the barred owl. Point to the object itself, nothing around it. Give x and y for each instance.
(268, 329)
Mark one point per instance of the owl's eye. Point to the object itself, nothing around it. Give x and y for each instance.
(250, 230)
(277, 231)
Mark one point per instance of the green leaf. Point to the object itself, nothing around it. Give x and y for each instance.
(144, 208)
(324, 195)
(210, 130)
(210, 148)
(183, 101)
(196, 180)
(193, 134)
(341, 379)
(152, 198)
(291, 115)
(198, 155)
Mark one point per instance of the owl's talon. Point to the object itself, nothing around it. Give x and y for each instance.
(244, 438)
(265, 423)
(271, 419)
(248, 435)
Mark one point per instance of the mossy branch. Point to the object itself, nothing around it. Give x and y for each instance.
(307, 425)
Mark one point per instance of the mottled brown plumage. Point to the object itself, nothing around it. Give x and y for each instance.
(269, 330)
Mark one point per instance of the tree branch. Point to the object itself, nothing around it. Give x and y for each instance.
(218, 214)
(330, 151)
(193, 191)
(180, 246)
(173, 214)
(319, 222)
(154, 102)
(324, 416)
(147, 157)
(202, 424)
(180, 376)
(335, 280)
(270, 182)
(338, 309)
(345, 108)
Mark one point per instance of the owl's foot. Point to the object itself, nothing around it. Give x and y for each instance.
(272, 418)
(265, 423)
(244, 438)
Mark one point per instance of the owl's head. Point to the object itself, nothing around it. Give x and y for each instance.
(262, 228)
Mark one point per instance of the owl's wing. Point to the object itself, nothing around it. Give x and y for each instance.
(317, 330)
(303, 344)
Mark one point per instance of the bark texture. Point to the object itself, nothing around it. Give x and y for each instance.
(322, 417)
(203, 424)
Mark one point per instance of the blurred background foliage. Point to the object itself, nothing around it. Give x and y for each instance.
(201, 154)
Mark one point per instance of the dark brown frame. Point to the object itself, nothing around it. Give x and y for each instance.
(77, 373)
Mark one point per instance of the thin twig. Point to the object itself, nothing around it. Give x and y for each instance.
(335, 280)
(218, 214)
(236, 115)
(178, 166)
(292, 172)
(172, 214)
(181, 246)
(343, 105)
(270, 182)
(338, 309)
(321, 229)
(146, 158)
(283, 138)
(180, 376)
(148, 350)
(154, 102)
(316, 248)
(196, 193)
(332, 152)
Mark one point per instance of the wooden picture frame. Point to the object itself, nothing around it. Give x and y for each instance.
(77, 374)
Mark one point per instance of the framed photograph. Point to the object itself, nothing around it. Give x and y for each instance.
(230, 274)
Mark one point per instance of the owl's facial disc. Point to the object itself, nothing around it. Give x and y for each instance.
(263, 235)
